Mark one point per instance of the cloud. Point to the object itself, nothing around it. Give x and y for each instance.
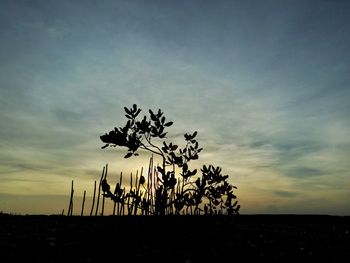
(286, 194)
(301, 172)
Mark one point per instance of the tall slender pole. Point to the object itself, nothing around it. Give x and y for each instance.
(70, 208)
(99, 191)
(93, 200)
(82, 206)
(103, 198)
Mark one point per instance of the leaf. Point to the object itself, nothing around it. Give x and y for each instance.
(129, 154)
(138, 112)
(185, 167)
(198, 183)
(174, 147)
(194, 134)
(127, 110)
(163, 135)
(168, 124)
(160, 169)
(142, 179)
(105, 146)
(104, 138)
(135, 107)
(153, 117)
(105, 186)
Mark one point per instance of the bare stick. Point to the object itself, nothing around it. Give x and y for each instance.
(134, 203)
(70, 208)
(103, 205)
(99, 191)
(82, 206)
(148, 186)
(93, 199)
(120, 185)
(128, 203)
(115, 203)
(122, 208)
(103, 198)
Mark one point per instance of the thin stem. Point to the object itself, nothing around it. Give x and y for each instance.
(149, 142)
(99, 190)
(93, 200)
(148, 149)
(70, 208)
(82, 206)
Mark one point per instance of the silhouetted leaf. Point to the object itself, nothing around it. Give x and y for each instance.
(160, 169)
(137, 113)
(129, 154)
(174, 147)
(185, 167)
(105, 186)
(168, 124)
(163, 135)
(142, 179)
(105, 146)
(127, 110)
(198, 182)
(153, 116)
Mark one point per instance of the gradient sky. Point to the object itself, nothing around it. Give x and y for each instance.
(265, 83)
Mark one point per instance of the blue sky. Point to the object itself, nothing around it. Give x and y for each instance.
(265, 83)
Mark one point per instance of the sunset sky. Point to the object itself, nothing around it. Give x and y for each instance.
(265, 83)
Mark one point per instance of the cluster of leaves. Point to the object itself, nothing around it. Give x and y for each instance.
(172, 193)
(137, 134)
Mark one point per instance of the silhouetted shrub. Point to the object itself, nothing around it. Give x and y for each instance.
(164, 192)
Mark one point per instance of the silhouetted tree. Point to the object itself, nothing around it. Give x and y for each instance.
(179, 193)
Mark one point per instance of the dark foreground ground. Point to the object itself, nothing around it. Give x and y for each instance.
(255, 238)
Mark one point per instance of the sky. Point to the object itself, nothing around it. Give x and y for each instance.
(265, 84)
